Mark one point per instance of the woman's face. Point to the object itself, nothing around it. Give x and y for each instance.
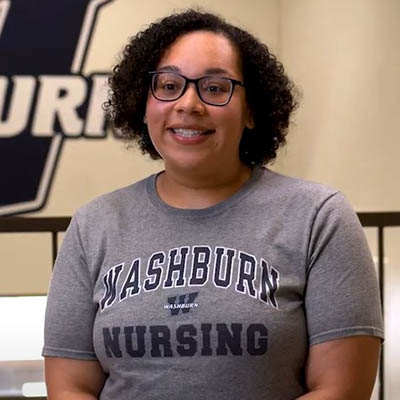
(188, 133)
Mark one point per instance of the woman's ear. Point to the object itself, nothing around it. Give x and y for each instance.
(145, 119)
(250, 124)
(250, 121)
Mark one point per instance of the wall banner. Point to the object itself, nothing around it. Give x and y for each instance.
(44, 97)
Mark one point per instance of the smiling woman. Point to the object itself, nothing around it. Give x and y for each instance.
(247, 283)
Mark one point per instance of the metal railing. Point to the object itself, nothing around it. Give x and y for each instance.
(380, 220)
(55, 225)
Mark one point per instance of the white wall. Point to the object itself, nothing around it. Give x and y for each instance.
(345, 56)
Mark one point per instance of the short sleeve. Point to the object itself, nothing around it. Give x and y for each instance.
(342, 294)
(70, 310)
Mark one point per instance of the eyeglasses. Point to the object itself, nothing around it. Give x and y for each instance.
(213, 90)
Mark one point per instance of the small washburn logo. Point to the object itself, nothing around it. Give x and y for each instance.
(44, 97)
(185, 303)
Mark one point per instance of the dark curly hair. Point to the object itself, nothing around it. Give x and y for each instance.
(270, 94)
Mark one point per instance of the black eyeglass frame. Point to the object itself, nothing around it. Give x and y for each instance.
(234, 83)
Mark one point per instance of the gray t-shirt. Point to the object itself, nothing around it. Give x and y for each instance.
(216, 303)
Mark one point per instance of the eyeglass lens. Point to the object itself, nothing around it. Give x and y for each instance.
(212, 89)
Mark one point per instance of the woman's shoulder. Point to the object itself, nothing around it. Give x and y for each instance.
(306, 203)
(282, 186)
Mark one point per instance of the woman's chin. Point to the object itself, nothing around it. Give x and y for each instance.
(193, 164)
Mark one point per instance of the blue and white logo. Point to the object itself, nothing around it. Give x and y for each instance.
(44, 97)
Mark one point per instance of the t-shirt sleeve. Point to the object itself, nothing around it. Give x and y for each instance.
(70, 310)
(342, 294)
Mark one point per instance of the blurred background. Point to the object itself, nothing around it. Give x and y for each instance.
(57, 154)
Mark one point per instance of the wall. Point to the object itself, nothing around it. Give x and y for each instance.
(345, 57)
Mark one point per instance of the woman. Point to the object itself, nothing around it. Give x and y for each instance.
(216, 278)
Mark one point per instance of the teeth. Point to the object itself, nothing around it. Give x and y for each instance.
(187, 132)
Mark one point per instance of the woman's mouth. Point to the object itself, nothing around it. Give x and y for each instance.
(190, 133)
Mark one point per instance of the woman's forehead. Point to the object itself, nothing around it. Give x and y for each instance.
(202, 52)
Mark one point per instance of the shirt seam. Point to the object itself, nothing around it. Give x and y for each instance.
(51, 348)
(212, 214)
(347, 329)
(318, 210)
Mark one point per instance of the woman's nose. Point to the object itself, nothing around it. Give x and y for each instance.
(190, 101)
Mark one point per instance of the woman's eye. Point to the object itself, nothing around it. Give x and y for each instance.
(214, 88)
(169, 86)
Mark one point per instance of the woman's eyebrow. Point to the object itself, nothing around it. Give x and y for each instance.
(174, 68)
(171, 68)
(216, 71)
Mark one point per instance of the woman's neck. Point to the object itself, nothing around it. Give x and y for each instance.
(196, 190)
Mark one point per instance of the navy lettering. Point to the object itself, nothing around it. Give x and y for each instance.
(206, 349)
(153, 268)
(185, 340)
(160, 338)
(247, 274)
(131, 285)
(269, 284)
(110, 281)
(226, 339)
(259, 348)
(184, 336)
(140, 345)
(111, 342)
(224, 281)
(160, 274)
(176, 267)
(201, 260)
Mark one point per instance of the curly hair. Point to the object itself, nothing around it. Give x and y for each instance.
(270, 94)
